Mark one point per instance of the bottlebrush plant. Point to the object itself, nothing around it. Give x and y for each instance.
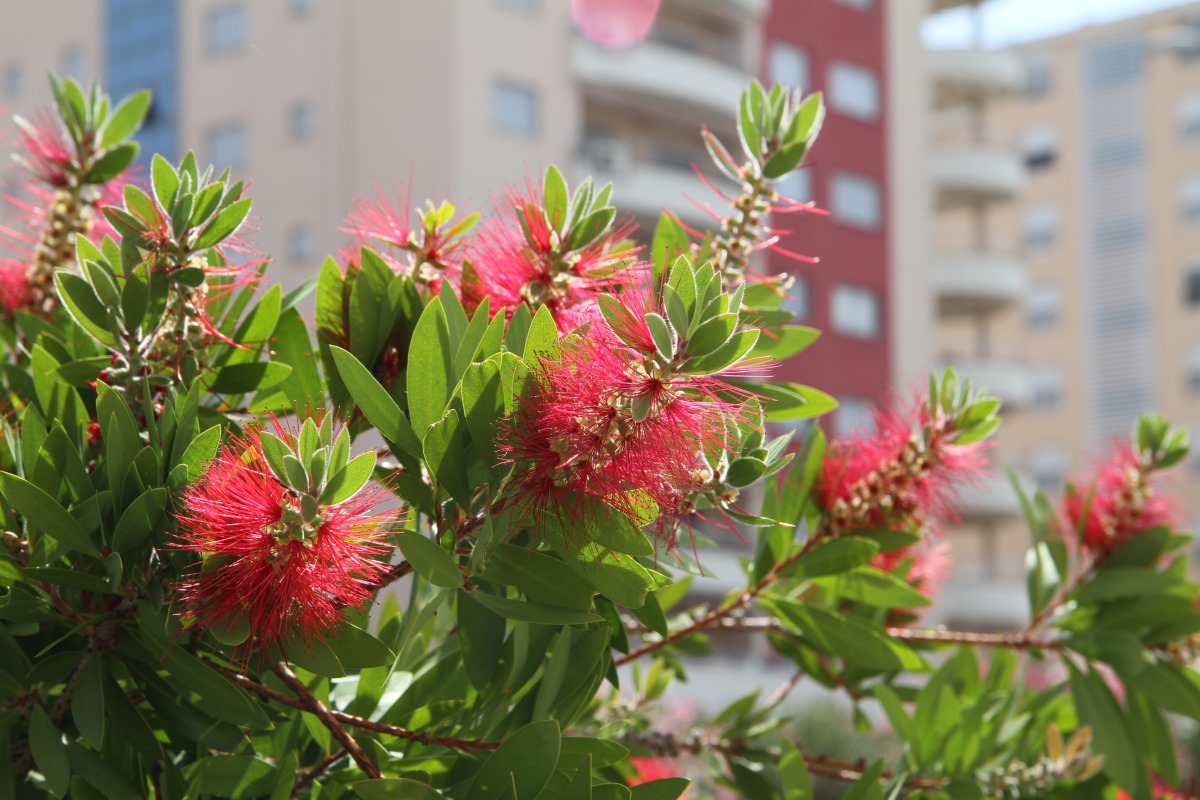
(211, 585)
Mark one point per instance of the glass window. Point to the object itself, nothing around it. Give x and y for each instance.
(1193, 369)
(1047, 388)
(796, 185)
(1189, 116)
(300, 120)
(14, 80)
(1043, 306)
(854, 416)
(1049, 467)
(301, 245)
(796, 299)
(1041, 227)
(854, 200)
(74, 64)
(1189, 199)
(788, 64)
(225, 29)
(1039, 75)
(853, 90)
(515, 108)
(861, 5)
(1040, 147)
(226, 146)
(854, 311)
(1191, 286)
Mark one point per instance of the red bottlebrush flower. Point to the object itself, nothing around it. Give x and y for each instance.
(265, 567)
(519, 259)
(47, 154)
(14, 286)
(650, 769)
(615, 23)
(1119, 503)
(925, 564)
(889, 479)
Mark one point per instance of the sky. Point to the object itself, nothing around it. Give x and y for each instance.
(1010, 21)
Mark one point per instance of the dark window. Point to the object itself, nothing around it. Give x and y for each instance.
(1191, 286)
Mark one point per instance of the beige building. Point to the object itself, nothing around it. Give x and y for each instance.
(1089, 307)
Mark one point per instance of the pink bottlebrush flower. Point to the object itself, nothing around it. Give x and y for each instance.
(287, 582)
(890, 479)
(650, 768)
(1118, 502)
(519, 259)
(614, 23)
(14, 286)
(47, 154)
(924, 565)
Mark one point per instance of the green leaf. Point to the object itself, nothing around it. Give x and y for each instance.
(376, 404)
(540, 577)
(429, 368)
(201, 451)
(45, 514)
(533, 612)
(223, 700)
(834, 557)
(786, 160)
(850, 638)
(556, 197)
(140, 518)
(481, 637)
(875, 588)
(124, 119)
(223, 225)
(49, 752)
(522, 765)
(607, 527)
(394, 789)
(1110, 584)
(617, 576)
(542, 340)
(163, 180)
(242, 378)
(482, 392)
(868, 786)
(603, 752)
(429, 560)
(661, 789)
(231, 776)
(1097, 707)
(786, 341)
(356, 649)
(445, 456)
(347, 481)
(793, 773)
(112, 163)
(85, 307)
(590, 228)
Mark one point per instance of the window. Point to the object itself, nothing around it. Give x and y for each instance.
(226, 146)
(853, 416)
(1043, 307)
(14, 80)
(1047, 388)
(1110, 64)
(1040, 147)
(1189, 200)
(854, 311)
(1193, 369)
(1049, 467)
(515, 108)
(854, 200)
(74, 64)
(861, 5)
(796, 298)
(796, 185)
(1191, 286)
(301, 8)
(788, 64)
(1039, 75)
(301, 245)
(1041, 227)
(225, 29)
(853, 90)
(1189, 117)
(300, 120)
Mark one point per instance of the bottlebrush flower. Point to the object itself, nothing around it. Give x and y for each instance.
(891, 478)
(275, 562)
(650, 769)
(1120, 502)
(924, 565)
(14, 286)
(615, 23)
(45, 151)
(519, 258)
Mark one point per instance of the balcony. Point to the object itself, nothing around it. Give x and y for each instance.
(645, 187)
(658, 73)
(980, 605)
(989, 497)
(968, 175)
(977, 283)
(1008, 380)
(973, 76)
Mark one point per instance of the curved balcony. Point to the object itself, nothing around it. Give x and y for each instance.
(659, 73)
(977, 283)
(975, 174)
(973, 76)
(1010, 381)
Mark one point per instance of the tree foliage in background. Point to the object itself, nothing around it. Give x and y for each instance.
(197, 547)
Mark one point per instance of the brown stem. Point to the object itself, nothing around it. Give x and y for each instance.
(327, 719)
(785, 688)
(267, 693)
(392, 575)
(305, 778)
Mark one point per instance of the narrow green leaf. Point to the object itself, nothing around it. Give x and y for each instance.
(429, 560)
(45, 514)
(376, 404)
(429, 368)
(533, 612)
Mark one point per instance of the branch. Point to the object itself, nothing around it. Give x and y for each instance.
(322, 713)
(267, 693)
(392, 575)
(305, 778)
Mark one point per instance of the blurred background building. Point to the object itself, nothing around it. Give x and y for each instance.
(1029, 214)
